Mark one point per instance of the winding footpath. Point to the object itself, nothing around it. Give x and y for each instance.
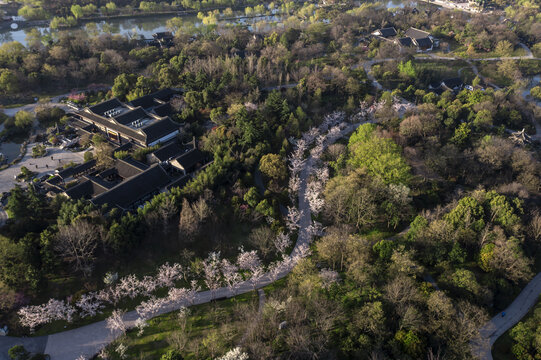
(88, 340)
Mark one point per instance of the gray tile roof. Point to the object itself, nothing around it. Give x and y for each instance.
(133, 190)
(104, 106)
(416, 33)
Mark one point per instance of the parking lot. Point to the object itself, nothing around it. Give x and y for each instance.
(55, 157)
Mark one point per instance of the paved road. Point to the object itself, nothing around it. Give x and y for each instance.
(55, 101)
(44, 165)
(481, 347)
(90, 339)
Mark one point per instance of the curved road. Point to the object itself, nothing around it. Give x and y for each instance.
(498, 325)
(90, 339)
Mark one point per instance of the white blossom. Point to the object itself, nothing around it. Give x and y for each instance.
(322, 174)
(168, 275)
(150, 308)
(257, 274)
(310, 135)
(234, 354)
(328, 277)
(302, 252)
(211, 269)
(275, 269)
(294, 186)
(282, 242)
(315, 229)
(147, 285)
(191, 293)
(140, 324)
(89, 305)
(121, 350)
(313, 196)
(115, 322)
(128, 286)
(293, 218)
(231, 275)
(248, 260)
(177, 295)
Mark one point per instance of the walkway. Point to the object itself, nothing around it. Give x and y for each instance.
(55, 101)
(481, 347)
(90, 339)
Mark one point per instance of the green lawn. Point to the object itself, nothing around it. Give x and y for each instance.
(489, 69)
(213, 328)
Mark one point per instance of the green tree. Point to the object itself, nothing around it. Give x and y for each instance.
(465, 279)
(416, 227)
(526, 336)
(88, 156)
(23, 119)
(123, 84)
(469, 213)
(17, 206)
(380, 156)
(8, 81)
(110, 7)
(273, 167)
(407, 69)
(536, 92)
(172, 355)
(504, 48)
(485, 257)
(384, 249)
(483, 119)
(252, 197)
(265, 208)
(411, 343)
(504, 212)
(77, 11)
(18, 352)
(15, 271)
(462, 134)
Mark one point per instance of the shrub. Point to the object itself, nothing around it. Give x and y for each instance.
(88, 156)
(122, 154)
(18, 352)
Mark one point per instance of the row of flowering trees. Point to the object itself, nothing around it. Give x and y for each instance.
(248, 268)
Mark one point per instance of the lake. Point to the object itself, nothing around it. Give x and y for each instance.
(138, 27)
(134, 27)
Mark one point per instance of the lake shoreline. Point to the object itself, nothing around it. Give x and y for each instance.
(80, 22)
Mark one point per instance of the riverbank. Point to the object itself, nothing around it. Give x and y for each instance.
(134, 14)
